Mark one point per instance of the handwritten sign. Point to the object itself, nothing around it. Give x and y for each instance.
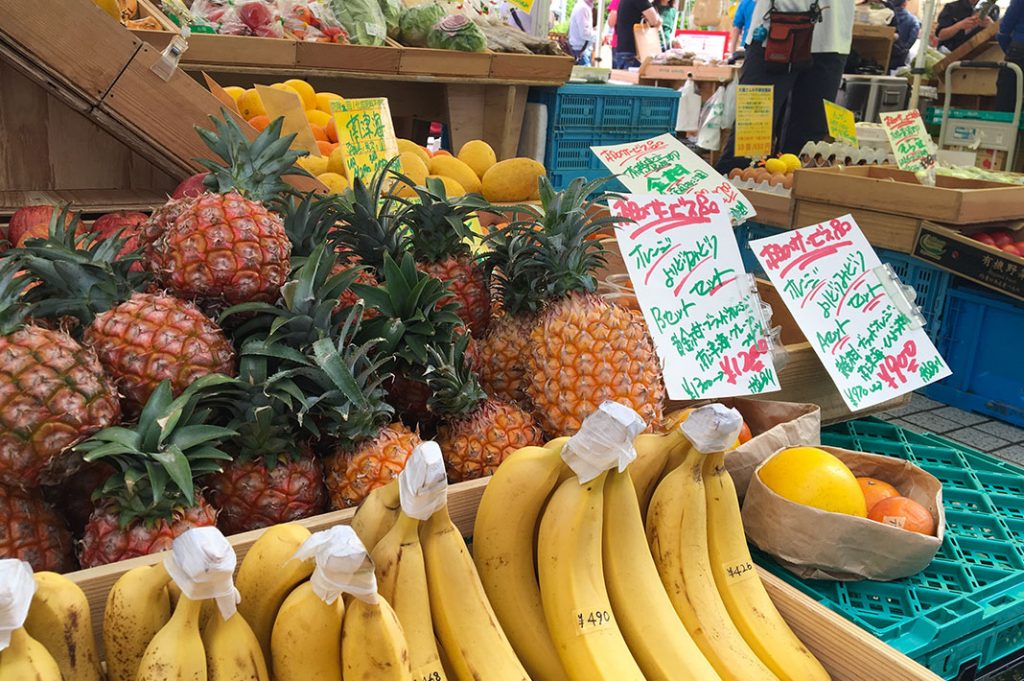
(911, 144)
(754, 120)
(288, 105)
(841, 124)
(826, 275)
(524, 5)
(686, 269)
(663, 165)
(366, 134)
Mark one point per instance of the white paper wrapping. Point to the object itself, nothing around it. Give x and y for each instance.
(712, 428)
(202, 563)
(423, 483)
(604, 441)
(16, 590)
(342, 565)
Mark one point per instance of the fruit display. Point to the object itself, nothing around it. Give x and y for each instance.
(1003, 239)
(773, 174)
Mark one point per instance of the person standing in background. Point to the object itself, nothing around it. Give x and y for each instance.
(668, 13)
(741, 25)
(957, 23)
(581, 31)
(1011, 39)
(907, 29)
(628, 14)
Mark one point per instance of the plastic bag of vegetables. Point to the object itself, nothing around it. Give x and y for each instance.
(363, 19)
(417, 22)
(457, 32)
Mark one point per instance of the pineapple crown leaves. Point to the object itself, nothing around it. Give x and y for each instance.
(268, 427)
(13, 308)
(437, 223)
(308, 220)
(413, 312)
(159, 458)
(455, 390)
(370, 227)
(78, 274)
(252, 168)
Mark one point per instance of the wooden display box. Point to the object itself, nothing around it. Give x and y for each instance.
(965, 257)
(356, 58)
(847, 652)
(772, 209)
(208, 48)
(422, 61)
(676, 72)
(537, 68)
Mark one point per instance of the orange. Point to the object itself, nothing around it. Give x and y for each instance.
(745, 434)
(905, 514)
(319, 134)
(332, 132)
(259, 122)
(875, 490)
(814, 477)
(325, 148)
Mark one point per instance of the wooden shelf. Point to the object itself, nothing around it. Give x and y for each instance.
(88, 201)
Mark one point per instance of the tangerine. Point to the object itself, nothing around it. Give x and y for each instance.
(905, 514)
(876, 490)
(745, 434)
(332, 132)
(319, 134)
(259, 122)
(325, 148)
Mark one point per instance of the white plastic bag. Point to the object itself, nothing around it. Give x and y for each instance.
(729, 106)
(710, 134)
(688, 119)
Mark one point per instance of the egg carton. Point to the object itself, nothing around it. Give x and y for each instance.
(762, 186)
(828, 154)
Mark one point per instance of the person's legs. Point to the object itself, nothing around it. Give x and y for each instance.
(755, 72)
(806, 112)
(1006, 86)
(624, 60)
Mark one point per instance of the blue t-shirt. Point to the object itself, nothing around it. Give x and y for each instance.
(743, 18)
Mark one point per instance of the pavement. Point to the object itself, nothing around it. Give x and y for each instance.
(985, 434)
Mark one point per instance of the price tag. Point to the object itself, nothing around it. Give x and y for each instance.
(754, 120)
(589, 621)
(739, 570)
(281, 103)
(911, 144)
(366, 133)
(841, 123)
(429, 672)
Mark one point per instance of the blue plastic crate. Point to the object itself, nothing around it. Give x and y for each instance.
(560, 179)
(979, 333)
(929, 282)
(623, 110)
(747, 232)
(967, 607)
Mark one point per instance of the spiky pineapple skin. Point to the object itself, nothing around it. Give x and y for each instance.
(474, 446)
(501, 358)
(220, 247)
(584, 351)
(351, 474)
(349, 297)
(468, 286)
(249, 495)
(53, 393)
(154, 337)
(105, 541)
(31, 530)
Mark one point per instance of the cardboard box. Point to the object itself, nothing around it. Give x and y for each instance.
(887, 189)
(970, 259)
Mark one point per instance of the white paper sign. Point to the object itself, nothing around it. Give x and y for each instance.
(663, 165)
(685, 265)
(826, 275)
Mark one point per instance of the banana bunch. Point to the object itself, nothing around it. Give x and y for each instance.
(59, 619)
(21, 655)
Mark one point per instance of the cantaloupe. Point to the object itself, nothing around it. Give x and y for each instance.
(452, 167)
(478, 155)
(513, 180)
(413, 167)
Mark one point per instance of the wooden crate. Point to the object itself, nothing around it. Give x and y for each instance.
(355, 58)
(208, 48)
(533, 68)
(421, 61)
(772, 209)
(884, 230)
(847, 652)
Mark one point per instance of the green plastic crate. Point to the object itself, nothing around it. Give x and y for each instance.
(966, 610)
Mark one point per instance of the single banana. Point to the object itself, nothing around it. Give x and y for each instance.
(267, 576)
(26, 658)
(463, 618)
(138, 606)
(377, 514)
(176, 652)
(576, 603)
(373, 647)
(504, 553)
(60, 619)
(653, 451)
(739, 584)
(232, 651)
(657, 638)
(677, 532)
(402, 581)
(306, 642)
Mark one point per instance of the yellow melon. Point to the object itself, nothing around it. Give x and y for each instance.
(336, 162)
(314, 165)
(814, 477)
(317, 117)
(324, 99)
(335, 183)
(305, 90)
(250, 104)
(513, 180)
(478, 155)
(452, 187)
(413, 167)
(452, 167)
(410, 146)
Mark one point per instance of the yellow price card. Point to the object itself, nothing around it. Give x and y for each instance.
(366, 133)
(841, 124)
(754, 120)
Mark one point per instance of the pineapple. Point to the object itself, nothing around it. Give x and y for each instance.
(53, 393)
(73, 497)
(153, 498)
(32, 531)
(225, 245)
(439, 243)
(582, 349)
(476, 433)
(141, 338)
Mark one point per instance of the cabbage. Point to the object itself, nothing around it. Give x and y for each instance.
(457, 32)
(417, 22)
(392, 11)
(363, 19)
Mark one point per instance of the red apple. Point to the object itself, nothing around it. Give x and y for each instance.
(31, 222)
(1012, 249)
(192, 186)
(1001, 237)
(129, 224)
(985, 238)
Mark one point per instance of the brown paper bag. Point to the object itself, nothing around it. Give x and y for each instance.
(707, 12)
(648, 41)
(815, 544)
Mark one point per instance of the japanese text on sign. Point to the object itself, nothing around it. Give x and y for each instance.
(841, 124)
(754, 120)
(663, 165)
(686, 270)
(826, 275)
(911, 144)
(366, 134)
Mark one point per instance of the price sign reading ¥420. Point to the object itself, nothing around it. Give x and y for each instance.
(663, 165)
(826, 276)
(366, 134)
(682, 257)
